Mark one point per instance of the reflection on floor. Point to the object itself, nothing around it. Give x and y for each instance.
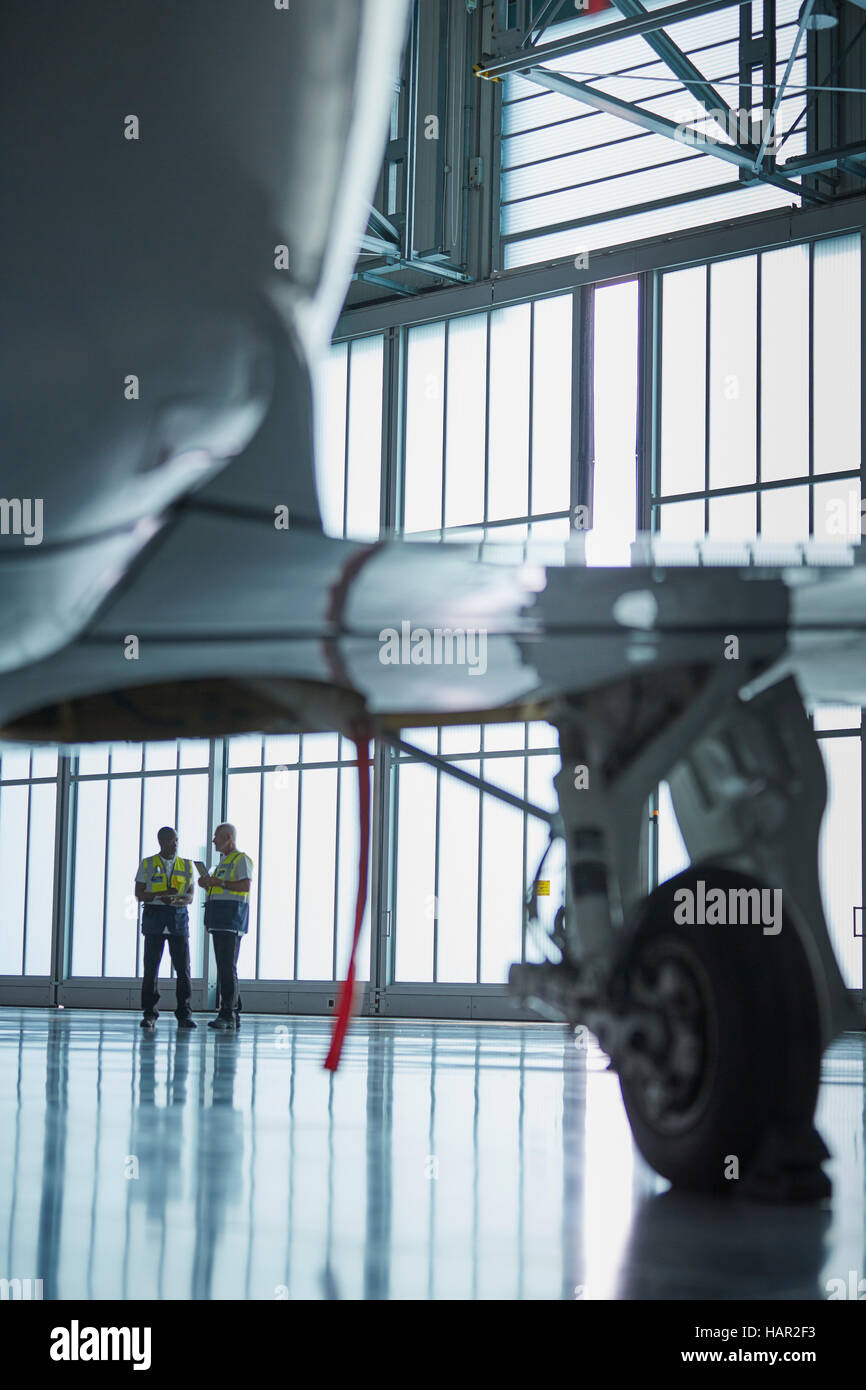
(444, 1160)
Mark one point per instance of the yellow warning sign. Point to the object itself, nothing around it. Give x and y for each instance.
(542, 887)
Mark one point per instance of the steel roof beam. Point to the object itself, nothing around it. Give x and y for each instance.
(681, 66)
(606, 33)
(660, 125)
(636, 115)
(829, 159)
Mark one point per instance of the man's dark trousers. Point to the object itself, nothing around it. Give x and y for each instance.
(226, 945)
(178, 947)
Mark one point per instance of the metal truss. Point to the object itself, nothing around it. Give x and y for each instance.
(752, 159)
(551, 818)
(390, 258)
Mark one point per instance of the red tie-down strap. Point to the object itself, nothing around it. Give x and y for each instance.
(347, 990)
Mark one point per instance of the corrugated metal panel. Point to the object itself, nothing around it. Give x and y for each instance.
(622, 231)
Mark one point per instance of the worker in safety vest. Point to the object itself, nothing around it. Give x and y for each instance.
(227, 918)
(164, 884)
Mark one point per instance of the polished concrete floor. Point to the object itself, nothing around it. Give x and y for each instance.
(444, 1160)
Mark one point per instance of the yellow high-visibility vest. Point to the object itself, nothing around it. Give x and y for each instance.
(223, 870)
(180, 882)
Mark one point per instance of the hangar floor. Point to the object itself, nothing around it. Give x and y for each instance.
(444, 1160)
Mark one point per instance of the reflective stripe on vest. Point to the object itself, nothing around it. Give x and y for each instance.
(181, 876)
(221, 871)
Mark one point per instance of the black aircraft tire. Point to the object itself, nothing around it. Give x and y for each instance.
(760, 1050)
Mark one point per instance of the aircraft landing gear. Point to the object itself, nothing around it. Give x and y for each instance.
(720, 1067)
(715, 1024)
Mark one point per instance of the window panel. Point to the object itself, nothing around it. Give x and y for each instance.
(321, 748)
(837, 511)
(331, 457)
(40, 877)
(282, 749)
(425, 394)
(122, 913)
(242, 806)
(836, 717)
(683, 381)
(673, 856)
(160, 757)
(732, 382)
(416, 872)
(15, 764)
(615, 470)
(508, 456)
(541, 771)
(193, 752)
(13, 855)
(836, 354)
(365, 439)
(465, 426)
(44, 762)
(89, 880)
(551, 405)
(245, 750)
(840, 853)
(126, 757)
(502, 737)
(192, 827)
(278, 850)
(317, 868)
(501, 871)
(160, 794)
(681, 521)
(93, 758)
(458, 879)
(733, 518)
(785, 514)
(785, 363)
(347, 881)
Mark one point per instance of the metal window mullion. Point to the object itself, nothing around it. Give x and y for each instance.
(259, 863)
(26, 872)
(862, 542)
(495, 239)
(105, 872)
(523, 919)
(862, 848)
(646, 424)
(759, 293)
(435, 972)
(298, 858)
(478, 882)
(445, 357)
(582, 402)
(337, 805)
(140, 857)
(811, 475)
(531, 403)
(60, 919)
(349, 347)
(380, 894)
(707, 386)
(487, 423)
(770, 485)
